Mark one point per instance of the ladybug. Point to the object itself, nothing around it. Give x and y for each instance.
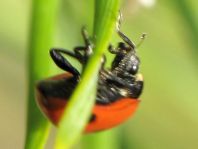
(118, 87)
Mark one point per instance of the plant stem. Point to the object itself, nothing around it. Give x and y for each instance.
(79, 108)
(102, 140)
(41, 39)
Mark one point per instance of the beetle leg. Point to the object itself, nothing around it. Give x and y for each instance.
(122, 35)
(112, 49)
(88, 44)
(75, 55)
(126, 39)
(104, 59)
(84, 57)
(121, 49)
(62, 62)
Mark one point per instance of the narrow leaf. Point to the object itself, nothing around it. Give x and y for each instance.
(41, 37)
(79, 108)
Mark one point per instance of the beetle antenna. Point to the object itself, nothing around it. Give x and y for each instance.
(142, 38)
(122, 35)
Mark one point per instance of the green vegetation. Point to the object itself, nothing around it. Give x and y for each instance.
(167, 116)
(79, 108)
(41, 40)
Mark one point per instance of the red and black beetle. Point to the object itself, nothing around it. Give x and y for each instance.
(118, 88)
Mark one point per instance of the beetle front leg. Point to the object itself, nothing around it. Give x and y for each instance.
(126, 39)
(113, 50)
(86, 36)
(122, 35)
(62, 62)
(88, 43)
(121, 49)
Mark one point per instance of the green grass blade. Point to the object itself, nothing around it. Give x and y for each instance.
(79, 108)
(41, 39)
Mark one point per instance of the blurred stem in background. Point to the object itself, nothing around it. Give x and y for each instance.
(41, 40)
(190, 20)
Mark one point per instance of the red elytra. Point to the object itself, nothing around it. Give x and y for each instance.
(106, 116)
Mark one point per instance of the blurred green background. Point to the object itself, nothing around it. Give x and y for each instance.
(168, 114)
